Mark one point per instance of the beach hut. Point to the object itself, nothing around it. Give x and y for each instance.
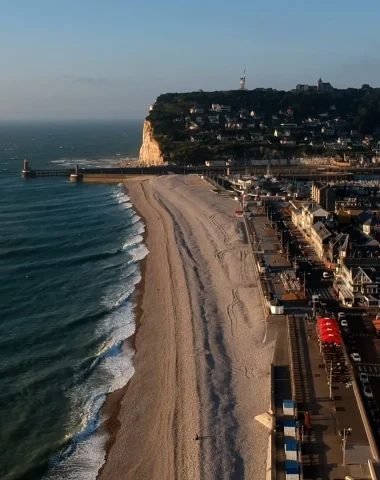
(291, 449)
(289, 408)
(261, 266)
(276, 307)
(290, 427)
(292, 470)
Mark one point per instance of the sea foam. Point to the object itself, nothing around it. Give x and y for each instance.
(133, 241)
(111, 367)
(139, 252)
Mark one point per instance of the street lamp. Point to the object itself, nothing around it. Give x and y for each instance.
(315, 299)
(304, 281)
(330, 380)
(344, 434)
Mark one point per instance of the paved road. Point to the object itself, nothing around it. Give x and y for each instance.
(343, 412)
(321, 447)
(362, 341)
(282, 391)
(324, 293)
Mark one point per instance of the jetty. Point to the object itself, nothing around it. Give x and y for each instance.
(297, 172)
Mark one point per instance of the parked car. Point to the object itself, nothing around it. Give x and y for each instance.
(325, 275)
(356, 357)
(367, 392)
(341, 314)
(344, 323)
(363, 377)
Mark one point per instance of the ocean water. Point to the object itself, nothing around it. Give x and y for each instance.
(69, 264)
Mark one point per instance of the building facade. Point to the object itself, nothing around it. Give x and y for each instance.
(358, 282)
(324, 195)
(320, 238)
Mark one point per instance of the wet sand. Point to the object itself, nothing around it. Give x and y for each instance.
(201, 364)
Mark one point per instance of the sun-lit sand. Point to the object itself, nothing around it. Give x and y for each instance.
(201, 365)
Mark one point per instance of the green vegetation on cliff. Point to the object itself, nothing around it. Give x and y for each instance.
(187, 135)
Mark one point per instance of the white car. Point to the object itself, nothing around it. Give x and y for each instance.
(341, 314)
(325, 275)
(344, 323)
(356, 357)
(363, 377)
(367, 392)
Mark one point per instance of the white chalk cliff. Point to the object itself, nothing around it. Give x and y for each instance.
(150, 152)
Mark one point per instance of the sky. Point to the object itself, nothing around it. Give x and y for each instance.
(97, 59)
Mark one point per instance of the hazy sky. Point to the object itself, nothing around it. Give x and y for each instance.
(110, 59)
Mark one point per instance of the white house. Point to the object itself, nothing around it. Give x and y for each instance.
(311, 213)
(328, 131)
(234, 125)
(289, 143)
(344, 141)
(213, 118)
(240, 138)
(358, 281)
(220, 108)
(195, 110)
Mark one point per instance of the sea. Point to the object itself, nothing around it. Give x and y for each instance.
(69, 264)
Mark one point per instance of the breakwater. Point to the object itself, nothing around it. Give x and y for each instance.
(298, 172)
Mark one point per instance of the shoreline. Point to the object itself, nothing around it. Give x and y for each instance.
(200, 364)
(112, 405)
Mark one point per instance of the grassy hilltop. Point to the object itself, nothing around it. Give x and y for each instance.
(189, 130)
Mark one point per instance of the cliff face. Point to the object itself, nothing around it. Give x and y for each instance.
(150, 152)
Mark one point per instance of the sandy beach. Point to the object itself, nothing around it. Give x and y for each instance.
(202, 366)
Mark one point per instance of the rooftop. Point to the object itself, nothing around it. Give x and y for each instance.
(321, 230)
(362, 262)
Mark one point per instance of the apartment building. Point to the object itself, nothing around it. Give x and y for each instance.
(324, 195)
(358, 281)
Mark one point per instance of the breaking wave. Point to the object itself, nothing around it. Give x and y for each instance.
(109, 367)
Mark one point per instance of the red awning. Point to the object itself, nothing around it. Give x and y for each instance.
(327, 321)
(331, 338)
(328, 325)
(329, 330)
(324, 330)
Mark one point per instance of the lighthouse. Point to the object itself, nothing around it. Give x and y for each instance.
(242, 82)
(26, 172)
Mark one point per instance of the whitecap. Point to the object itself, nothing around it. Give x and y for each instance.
(133, 241)
(86, 454)
(111, 365)
(126, 205)
(122, 298)
(138, 253)
(120, 293)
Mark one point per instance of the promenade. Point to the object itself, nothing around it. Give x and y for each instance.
(299, 373)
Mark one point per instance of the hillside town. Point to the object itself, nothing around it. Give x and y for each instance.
(308, 120)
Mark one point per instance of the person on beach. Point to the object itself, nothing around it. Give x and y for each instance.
(196, 437)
